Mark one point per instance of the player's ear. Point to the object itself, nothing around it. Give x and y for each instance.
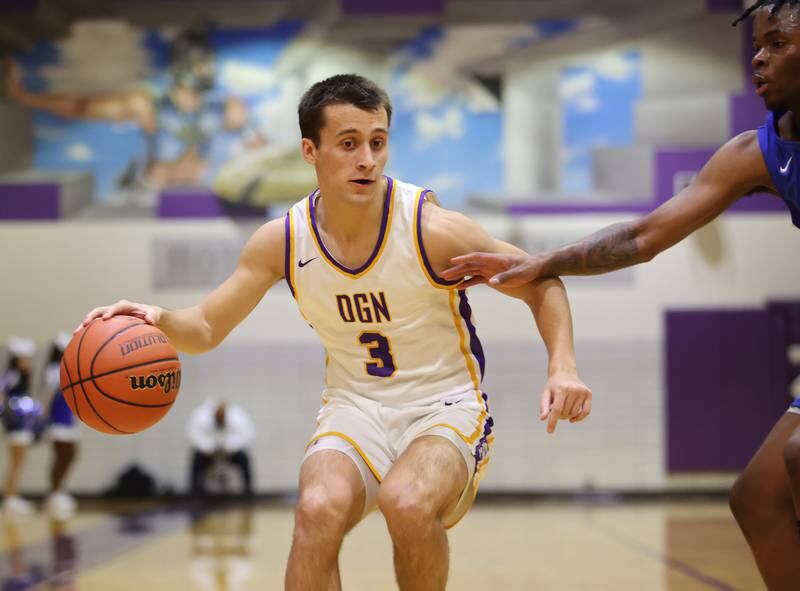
(309, 150)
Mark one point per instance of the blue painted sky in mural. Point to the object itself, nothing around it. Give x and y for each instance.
(438, 140)
(597, 105)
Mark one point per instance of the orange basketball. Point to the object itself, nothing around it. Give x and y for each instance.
(120, 375)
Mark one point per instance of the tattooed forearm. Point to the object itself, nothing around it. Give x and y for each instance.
(609, 249)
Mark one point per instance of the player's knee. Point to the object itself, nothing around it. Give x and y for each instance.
(750, 498)
(405, 503)
(323, 508)
(743, 498)
(791, 456)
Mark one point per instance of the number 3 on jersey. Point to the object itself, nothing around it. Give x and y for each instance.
(381, 350)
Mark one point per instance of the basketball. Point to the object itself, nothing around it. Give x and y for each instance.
(120, 375)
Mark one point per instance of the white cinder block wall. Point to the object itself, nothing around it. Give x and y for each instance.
(272, 364)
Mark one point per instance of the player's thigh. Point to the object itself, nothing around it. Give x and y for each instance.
(431, 471)
(331, 482)
(765, 474)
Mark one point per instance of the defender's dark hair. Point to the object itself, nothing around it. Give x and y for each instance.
(775, 4)
(342, 89)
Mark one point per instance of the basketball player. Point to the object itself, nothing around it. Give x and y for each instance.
(767, 159)
(404, 425)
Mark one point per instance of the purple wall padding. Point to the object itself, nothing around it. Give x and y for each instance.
(787, 313)
(670, 163)
(747, 111)
(396, 7)
(724, 386)
(199, 203)
(30, 201)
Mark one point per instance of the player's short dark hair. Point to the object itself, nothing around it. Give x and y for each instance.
(342, 89)
(775, 7)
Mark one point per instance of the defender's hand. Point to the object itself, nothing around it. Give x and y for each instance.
(498, 270)
(150, 314)
(565, 396)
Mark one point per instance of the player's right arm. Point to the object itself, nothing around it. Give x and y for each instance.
(737, 169)
(204, 326)
(137, 107)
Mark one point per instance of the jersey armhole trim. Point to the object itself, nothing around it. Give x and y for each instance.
(288, 263)
(422, 256)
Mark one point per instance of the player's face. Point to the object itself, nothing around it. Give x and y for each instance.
(24, 363)
(352, 152)
(776, 64)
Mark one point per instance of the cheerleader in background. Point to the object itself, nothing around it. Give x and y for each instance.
(63, 432)
(20, 414)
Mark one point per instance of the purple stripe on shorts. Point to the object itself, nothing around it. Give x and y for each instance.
(796, 404)
(387, 202)
(482, 449)
(287, 269)
(426, 262)
(474, 342)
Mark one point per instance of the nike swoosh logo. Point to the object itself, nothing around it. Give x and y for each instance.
(301, 263)
(451, 403)
(785, 169)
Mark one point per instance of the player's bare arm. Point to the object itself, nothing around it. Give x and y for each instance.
(446, 234)
(204, 326)
(737, 169)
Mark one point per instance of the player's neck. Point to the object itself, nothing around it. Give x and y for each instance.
(795, 123)
(789, 125)
(345, 221)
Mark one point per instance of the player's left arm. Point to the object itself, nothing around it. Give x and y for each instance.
(448, 233)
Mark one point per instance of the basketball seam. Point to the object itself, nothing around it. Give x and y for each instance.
(126, 368)
(92, 377)
(69, 377)
(80, 377)
(107, 341)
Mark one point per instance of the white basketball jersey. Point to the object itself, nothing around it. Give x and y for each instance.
(393, 330)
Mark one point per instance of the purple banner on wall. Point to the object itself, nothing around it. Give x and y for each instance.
(724, 386)
(30, 202)
(747, 112)
(199, 203)
(355, 7)
(675, 169)
(724, 5)
(17, 5)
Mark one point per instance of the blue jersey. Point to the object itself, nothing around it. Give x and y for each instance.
(783, 162)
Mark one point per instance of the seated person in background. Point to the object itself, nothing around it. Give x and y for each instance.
(219, 432)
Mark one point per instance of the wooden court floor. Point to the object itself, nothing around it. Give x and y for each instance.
(652, 546)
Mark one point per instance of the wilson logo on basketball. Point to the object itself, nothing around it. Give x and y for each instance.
(168, 381)
(132, 345)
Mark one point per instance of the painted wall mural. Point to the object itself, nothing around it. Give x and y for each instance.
(216, 108)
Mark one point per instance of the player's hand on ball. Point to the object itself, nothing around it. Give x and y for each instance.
(565, 396)
(150, 314)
